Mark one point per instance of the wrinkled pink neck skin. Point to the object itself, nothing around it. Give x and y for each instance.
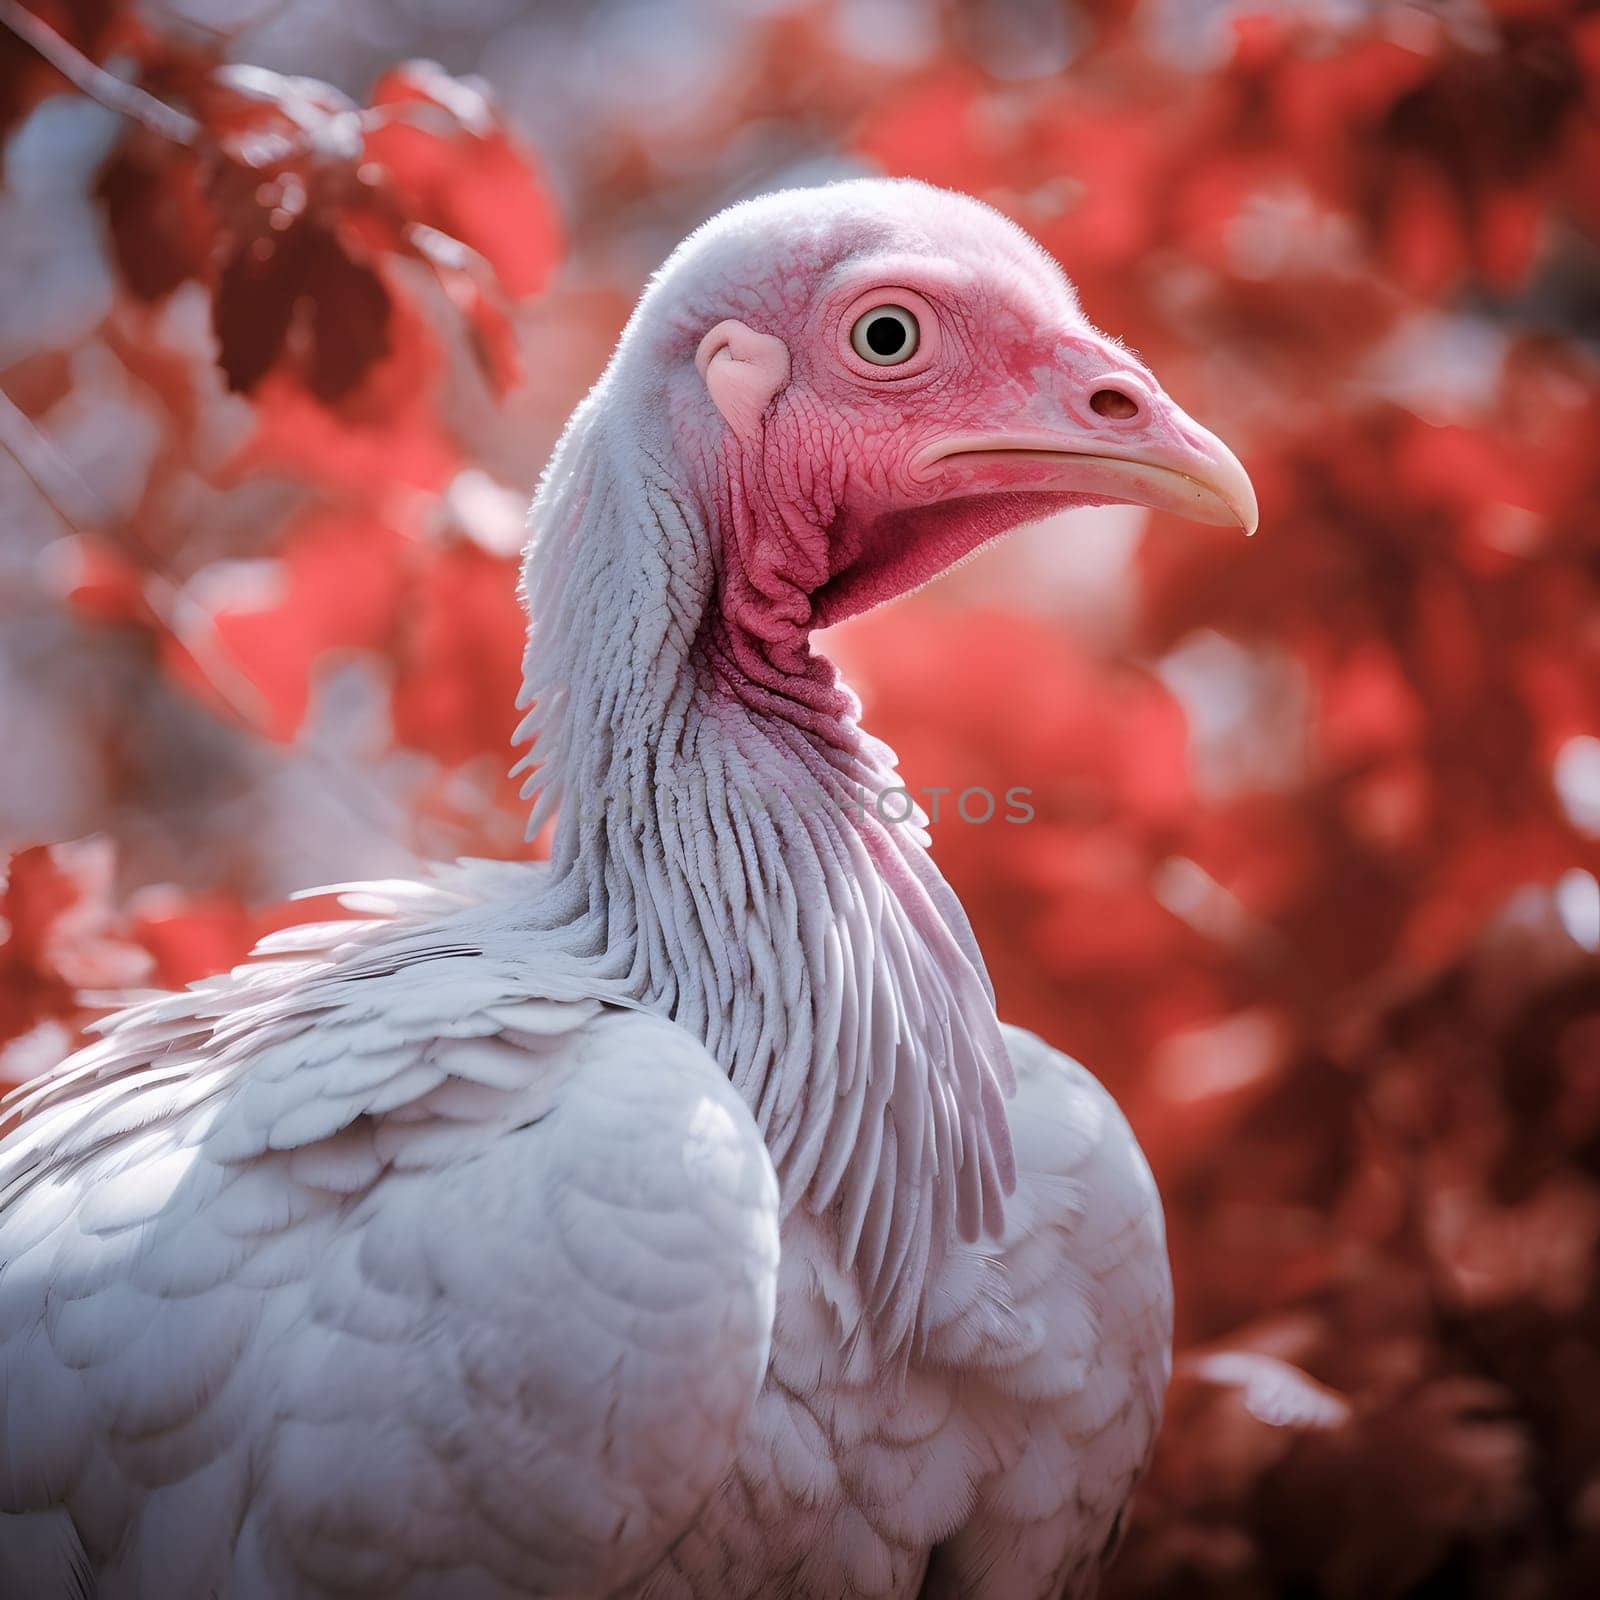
(791, 563)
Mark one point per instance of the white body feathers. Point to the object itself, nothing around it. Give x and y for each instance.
(378, 1273)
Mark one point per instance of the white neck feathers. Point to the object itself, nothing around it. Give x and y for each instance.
(716, 860)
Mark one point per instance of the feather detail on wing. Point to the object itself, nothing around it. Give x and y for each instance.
(391, 1251)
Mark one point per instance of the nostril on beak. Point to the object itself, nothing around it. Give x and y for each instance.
(1114, 403)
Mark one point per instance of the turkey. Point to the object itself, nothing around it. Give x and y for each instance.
(674, 1217)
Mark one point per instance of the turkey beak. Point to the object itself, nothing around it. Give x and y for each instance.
(1138, 448)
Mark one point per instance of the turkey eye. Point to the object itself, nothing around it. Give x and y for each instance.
(885, 336)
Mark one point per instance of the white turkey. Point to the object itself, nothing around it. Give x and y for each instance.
(675, 1217)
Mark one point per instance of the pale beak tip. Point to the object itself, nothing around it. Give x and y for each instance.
(1231, 484)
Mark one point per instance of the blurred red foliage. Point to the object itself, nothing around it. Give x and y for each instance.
(1312, 876)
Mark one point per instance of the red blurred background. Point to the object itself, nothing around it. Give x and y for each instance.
(1312, 881)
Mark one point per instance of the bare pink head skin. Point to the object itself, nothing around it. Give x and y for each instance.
(840, 476)
(824, 399)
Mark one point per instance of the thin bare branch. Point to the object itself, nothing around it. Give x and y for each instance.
(46, 468)
(103, 87)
